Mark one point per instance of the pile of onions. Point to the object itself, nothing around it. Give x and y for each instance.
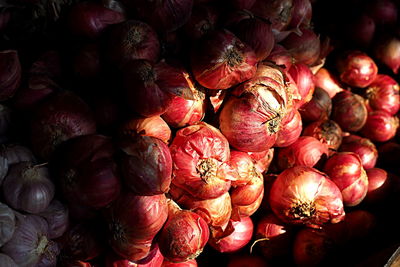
(365, 149)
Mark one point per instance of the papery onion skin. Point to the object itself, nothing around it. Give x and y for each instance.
(387, 51)
(10, 73)
(383, 94)
(249, 193)
(240, 211)
(228, 63)
(301, 13)
(281, 56)
(290, 131)
(324, 79)
(134, 221)
(380, 126)
(7, 222)
(379, 185)
(12, 154)
(240, 237)
(356, 69)
(326, 131)
(318, 108)
(306, 151)
(303, 195)
(189, 263)
(349, 111)
(346, 171)
(304, 80)
(200, 154)
(262, 159)
(146, 165)
(365, 149)
(152, 126)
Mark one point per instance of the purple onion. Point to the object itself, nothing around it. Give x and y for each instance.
(7, 224)
(57, 217)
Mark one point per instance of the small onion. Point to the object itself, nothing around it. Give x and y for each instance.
(244, 166)
(279, 13)
(365, 149)
(248, 193)
(346, 171)
(240, 237)
(290, 131)
(152, 126)
(7, 261)
(28, 187)
(10, 73)
(262, 159)
(380, 126)
(379, 185)
(57, 218)
(202, 21)
(240, 211)
(387, 51)
(281, 56)
(7, 223)
(383, 94)
(304, 80)
(301, 13)
(349, 111)
(305, 151)
(220, 60)
(303, 195)
(326, 131)
(324, 79)
(318, 108)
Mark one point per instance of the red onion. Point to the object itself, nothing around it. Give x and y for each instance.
(365, 149)
(240, 237)
(244, 260)
(6, 260)
(165, 15)
(281, 56)
(387, 51)
(290, 131)
(89, 19)
(7, 222)
(146, 165)
(200, 154)
(132, 40)
(189, 263)
(228, 63)
(62, 117)
(361, 30)
(305, 48)
(57, 218)
(262, 159)
(384, 12)
(10, 73)
(301, 13)
(346, 171)
(272, 237)
(150, 88)
(356, 68)
(92, 178)
(379, 185)
(278, 12)
(380, 126)
(28, 187)
(305, 151)
(383, 94)
(202, 21)
(152, 126)
(154, 259)
(311, 247)
(183, 236)
(251, 118)
(325, 80)
(239, 211)
(30, 244)
(248, 193)
(318, 108)
(244, 166)
(326, 131)
(133, 223)
(86, 61)
(303, 195)
(304, 79)
(349, 111)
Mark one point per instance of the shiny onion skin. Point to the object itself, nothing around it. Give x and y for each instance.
(278, 12)
(189, 263)
(249, 193)
(220, 60)
(318, 108)
(383, 94)
(60, 118)
(346, 171)
(200, 154)
(324, 79)
(183, 236)
(130, 40)
(290, 131)
(349, 111)
(240, 211)
(153, 126)
(262, 159)
(203, 20)
(244, 166)
(89, 19)
(365, 149)
(281, 56)
(305, 151)
(133, 222)
(380, 126)
(356, 68)
(387, 51)
(326, 131)
(146, 165)
(251, 118)
(304, 79)
(240, 237)
(10, 73)
(303, 195)
(379, 185)
(154, 259)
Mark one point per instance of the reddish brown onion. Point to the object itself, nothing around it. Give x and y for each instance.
(290, 131)
(303, 195)
(365, 149)
(244, 166)
(202, 21)
(240, 211)
(281, 56)
(383, 94)
(279, 13)
(305, 151)
(379, 185)
(249, 193)
(325, 80)
(227, 63)
(346, 171)
(154, 259)
(10, 73)
(380, 126)
(318, 108)
(326, 131)
(152, 126)
(304, 79)
(349, 111)
(301, 13)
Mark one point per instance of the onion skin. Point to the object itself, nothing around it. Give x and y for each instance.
(244, 166)
(278, 12)
(200, 154)
(365, 149)
(326, 131)
(247, 194)
(262, 159)
(146, 165)
(154, 259)
(379, 185)
(380, 126)
(346, 171)
(357, 69)
(301, 14)
(7, 222)
(318, 108)
(316, 202)
(290, 131)
(189, 263)
(324, 79)
(306, 151)
(304, 80)
(281, 56)
(383, 94)
(240, 211)
(202, 21)
(10, 73)
(240, 237)
(12, 154)
(89, 19)
(152, 126)
(228, 63)
(349, 111)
